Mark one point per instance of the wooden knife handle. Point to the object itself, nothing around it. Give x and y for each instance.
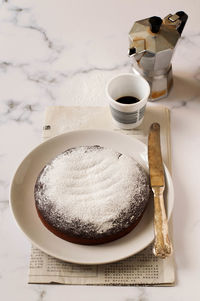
(162, 244)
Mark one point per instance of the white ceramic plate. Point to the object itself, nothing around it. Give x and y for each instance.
(23, 205)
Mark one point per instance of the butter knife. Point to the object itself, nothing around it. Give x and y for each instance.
(162, 244)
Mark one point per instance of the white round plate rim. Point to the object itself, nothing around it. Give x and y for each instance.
(27, 219)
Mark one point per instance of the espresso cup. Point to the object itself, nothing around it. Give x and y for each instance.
(128, 115)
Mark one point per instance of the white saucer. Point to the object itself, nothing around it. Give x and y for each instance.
(23, 205)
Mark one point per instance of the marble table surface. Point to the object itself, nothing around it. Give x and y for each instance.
(63, 53)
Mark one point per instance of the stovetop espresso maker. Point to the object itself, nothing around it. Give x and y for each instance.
(152, 43)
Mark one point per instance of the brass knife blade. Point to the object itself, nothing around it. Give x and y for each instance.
(162, 244)
(156, 169)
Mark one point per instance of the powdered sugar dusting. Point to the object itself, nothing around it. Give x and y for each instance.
(94, 185)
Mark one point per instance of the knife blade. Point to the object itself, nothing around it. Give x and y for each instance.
(162, 244)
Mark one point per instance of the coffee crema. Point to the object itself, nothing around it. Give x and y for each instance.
(128, 100)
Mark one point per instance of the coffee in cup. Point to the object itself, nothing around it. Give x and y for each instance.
(128, 94)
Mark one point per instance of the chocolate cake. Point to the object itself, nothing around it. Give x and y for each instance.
(91, 195)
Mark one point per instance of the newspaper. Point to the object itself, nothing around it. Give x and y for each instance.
(141, 269)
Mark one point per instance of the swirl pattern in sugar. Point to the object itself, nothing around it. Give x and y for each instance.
(91, 191)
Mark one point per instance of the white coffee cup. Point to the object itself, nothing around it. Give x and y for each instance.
(128, 116)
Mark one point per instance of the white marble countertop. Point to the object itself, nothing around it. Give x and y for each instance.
(62, 53)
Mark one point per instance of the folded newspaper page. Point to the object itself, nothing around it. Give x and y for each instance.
(140, 269)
